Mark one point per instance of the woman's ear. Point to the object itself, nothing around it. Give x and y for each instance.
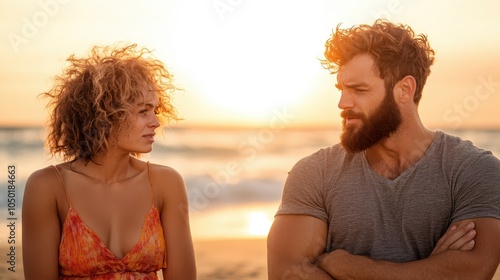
(404, 90)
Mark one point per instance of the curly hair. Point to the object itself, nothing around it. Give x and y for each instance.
(95, 96)
(396, 50)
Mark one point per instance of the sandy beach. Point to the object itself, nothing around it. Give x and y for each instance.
(243, 259)
(237, 259)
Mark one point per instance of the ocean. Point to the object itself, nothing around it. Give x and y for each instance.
(234, 177)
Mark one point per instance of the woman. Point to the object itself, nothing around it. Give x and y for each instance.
(103, 213)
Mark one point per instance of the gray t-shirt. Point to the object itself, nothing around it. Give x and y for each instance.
(396, 220)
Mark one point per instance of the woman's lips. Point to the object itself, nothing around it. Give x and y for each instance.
(150, 137)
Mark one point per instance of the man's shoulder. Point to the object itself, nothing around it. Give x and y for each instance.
(328, 158)
(335, 152)
(450, 142)
(456, 150)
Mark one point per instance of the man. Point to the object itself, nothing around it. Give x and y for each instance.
(393, 200)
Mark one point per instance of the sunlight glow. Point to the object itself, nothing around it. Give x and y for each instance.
(249, 67)
(258, 224)
(245, 221)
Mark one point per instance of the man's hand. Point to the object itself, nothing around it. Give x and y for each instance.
(340, 263)
(460, 236)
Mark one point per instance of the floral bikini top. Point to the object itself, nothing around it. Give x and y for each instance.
(82, 254)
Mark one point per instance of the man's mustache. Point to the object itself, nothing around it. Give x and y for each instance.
(349, 114)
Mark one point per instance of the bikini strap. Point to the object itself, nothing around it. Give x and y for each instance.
(151, 184)
(62, 182)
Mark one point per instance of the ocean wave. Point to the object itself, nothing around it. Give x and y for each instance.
(199, 154)
(17, 139)
(204, 192)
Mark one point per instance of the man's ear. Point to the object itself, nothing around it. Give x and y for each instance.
(404, 90)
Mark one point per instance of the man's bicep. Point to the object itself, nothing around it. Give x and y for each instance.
(293, 244)
(487, 246)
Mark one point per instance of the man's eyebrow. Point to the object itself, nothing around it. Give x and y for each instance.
(352, 85)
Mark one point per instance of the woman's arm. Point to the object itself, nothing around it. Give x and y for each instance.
(175, 222)
(41, 228)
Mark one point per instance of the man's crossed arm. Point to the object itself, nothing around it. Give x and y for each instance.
(470, 249)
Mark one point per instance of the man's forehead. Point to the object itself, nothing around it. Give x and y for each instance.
(360, 69)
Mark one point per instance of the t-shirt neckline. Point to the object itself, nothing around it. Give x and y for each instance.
(435, 142)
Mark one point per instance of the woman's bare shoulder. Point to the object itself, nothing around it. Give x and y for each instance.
(166, 172)
(43, 176)
(43, 184)
(168, 183)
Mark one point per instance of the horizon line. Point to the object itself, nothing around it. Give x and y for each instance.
(5, 126)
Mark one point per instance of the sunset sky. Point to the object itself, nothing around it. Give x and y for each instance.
(249, 63)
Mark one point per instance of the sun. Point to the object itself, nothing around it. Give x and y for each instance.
(248, 67)
(250, 91)
(258, 224)
(249, 80)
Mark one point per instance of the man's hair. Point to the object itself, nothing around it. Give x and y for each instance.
(95, 96)
(396, 50)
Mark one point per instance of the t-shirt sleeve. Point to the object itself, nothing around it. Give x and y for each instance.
(477, 193)
(303, 192)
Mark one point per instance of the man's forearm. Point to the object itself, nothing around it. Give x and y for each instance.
(447, 265)
(301, 271)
